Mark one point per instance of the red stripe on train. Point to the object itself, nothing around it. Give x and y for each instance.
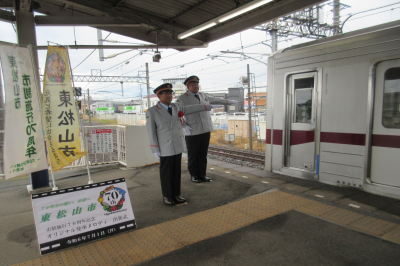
(300, 137)
(343, 138)
(277, 137)
(387, 141)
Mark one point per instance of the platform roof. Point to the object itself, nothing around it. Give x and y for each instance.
(147, 20)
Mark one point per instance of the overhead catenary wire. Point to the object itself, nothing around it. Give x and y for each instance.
(88, 55)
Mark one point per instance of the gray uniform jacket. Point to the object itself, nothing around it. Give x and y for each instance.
(200, 122)
(165, 130)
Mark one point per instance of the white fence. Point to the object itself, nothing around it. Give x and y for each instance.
(124, 119)
(127, 145)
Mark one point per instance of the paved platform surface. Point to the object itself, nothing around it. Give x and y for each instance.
(243, 217)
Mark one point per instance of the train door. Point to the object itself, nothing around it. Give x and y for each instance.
(385, 144)
(301, 122)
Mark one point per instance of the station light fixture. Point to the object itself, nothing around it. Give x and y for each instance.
(234, 13)
(196, 30)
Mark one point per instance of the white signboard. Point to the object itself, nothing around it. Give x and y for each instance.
(102, 140)
(72, 216)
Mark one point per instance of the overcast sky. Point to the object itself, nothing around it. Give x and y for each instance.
(215, 75)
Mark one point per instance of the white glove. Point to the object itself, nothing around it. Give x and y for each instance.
(233, 101)
(216, 106)
(187, 130)
(157, 154)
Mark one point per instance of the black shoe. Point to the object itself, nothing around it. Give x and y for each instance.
(205, 179)
(196, 179)
(168, 201)
(179, 199)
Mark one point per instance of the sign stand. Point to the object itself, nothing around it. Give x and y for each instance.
(36, 75)
(83, 136)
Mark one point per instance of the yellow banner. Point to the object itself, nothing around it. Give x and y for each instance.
(61, 121)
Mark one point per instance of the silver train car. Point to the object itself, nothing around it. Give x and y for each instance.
(334, 110)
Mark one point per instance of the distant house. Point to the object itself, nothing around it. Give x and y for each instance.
(258, 101)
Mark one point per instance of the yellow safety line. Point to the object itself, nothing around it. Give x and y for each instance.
(147, 243)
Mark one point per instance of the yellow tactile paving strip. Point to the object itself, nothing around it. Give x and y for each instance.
(144, 244)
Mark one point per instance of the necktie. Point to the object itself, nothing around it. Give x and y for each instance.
(197, 96)
(170, 110)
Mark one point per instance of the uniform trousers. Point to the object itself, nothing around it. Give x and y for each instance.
(197, 147)
(170, 175)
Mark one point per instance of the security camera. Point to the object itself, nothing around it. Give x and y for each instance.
(156, 57)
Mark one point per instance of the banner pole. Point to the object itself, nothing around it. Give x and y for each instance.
(83, 138)
(36, 75)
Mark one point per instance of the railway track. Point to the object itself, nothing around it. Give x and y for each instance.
(238, 155)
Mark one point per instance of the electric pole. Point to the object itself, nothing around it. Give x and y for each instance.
(336, 16)
(148, 85)
(84, 103)
(249, 105)
(90, 116)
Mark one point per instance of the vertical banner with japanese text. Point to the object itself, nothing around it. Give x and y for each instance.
(72, 216)
(61, 121)
(24, 149)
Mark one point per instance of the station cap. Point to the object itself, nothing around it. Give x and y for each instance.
(163, 87)
(191, 79)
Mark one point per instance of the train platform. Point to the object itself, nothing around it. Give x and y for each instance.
(244, 216)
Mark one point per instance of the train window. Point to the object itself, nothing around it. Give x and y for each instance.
(303, 89)
(391, 99)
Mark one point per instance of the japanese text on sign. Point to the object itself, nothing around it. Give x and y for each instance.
(102, 141)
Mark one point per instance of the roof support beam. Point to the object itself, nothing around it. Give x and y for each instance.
(82, 21)
(149, 23)
(133, 47)
(6, 3)
(126, 13)
(118, 3)
(191, 8)
(276, 10)
(7, 16)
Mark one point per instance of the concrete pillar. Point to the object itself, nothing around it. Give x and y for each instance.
(25, 23)
(26, 34)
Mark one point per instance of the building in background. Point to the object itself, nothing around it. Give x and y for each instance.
(238, 95)
(258, 101)
(178, 86)
(102, 108)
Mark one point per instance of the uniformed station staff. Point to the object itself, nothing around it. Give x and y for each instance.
(164, 127)
(197, 129)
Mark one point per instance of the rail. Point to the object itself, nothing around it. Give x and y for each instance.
(238, 155)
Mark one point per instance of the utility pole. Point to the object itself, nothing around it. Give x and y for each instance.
(274, 39)
(141, 99)
(122, 88)
(336, 16)
(100, 42)
(84, 103)
(90, 115)
(148, 85)
(249, 105)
